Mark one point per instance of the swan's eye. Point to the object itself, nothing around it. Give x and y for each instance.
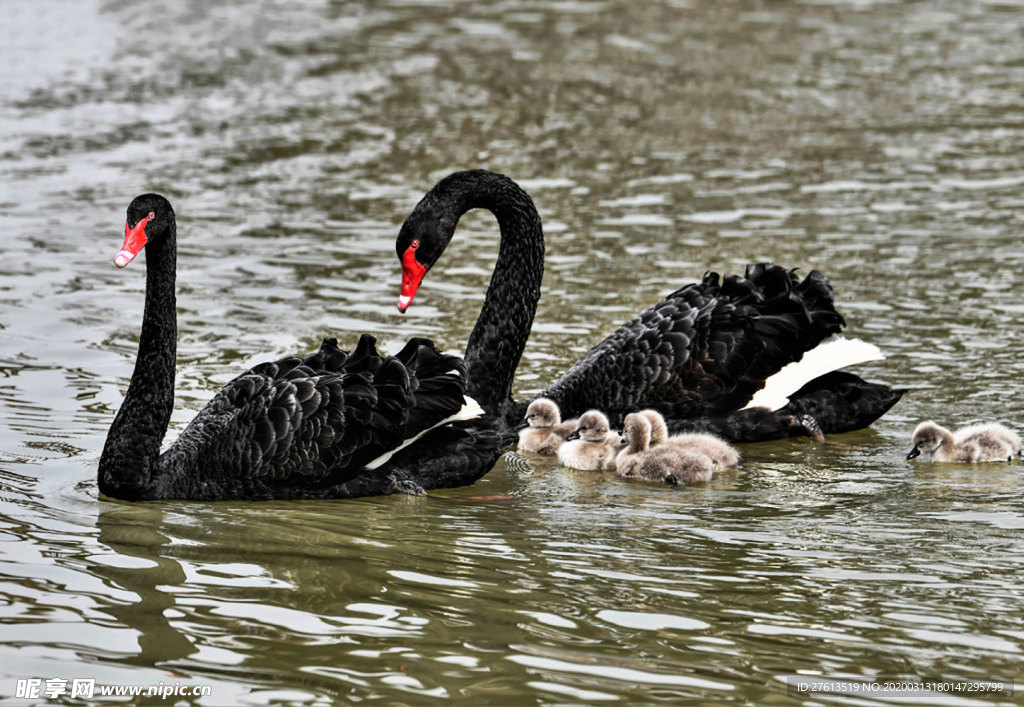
(414, 245)
(151, 216)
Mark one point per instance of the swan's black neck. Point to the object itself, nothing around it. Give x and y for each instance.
(128, 466)
(499, 336)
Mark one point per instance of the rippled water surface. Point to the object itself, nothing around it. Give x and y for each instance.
(880, 142)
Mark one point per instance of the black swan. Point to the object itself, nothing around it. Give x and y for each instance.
(698, 356)
(326, 425)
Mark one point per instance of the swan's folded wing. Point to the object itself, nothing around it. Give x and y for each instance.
(705, 349)
(270, 424)
(762, 322)
(288, 423)
(649, 352)
(439, 382)
(390, 400)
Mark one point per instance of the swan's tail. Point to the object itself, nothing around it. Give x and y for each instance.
(830, 355)
(470, 410)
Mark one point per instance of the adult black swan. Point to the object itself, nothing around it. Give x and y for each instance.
(326, 425)
(699, 356)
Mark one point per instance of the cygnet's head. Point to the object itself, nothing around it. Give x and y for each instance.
(928, 437)
(592, 427)
(541, 413)
(659, 430)
(637, 431)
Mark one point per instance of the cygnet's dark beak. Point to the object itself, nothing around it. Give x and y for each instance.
(572, 436)
(914, 453)
(522, 425)
(812, 428)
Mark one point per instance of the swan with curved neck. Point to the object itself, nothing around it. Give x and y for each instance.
(503, 325)
(698, 356)
(326, 425)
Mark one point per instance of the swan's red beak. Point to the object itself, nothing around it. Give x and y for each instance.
(412, 275)
(134, 240)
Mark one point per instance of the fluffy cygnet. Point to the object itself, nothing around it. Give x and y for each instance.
(978, 443)
(666, 463)
(722, 454)
(543, 430)
(591, 446)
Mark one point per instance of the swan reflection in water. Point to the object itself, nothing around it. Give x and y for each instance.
(132, 532)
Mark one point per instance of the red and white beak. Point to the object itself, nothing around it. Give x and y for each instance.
(134, 240)
(412, 275)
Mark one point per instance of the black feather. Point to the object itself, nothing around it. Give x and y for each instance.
(700, 354)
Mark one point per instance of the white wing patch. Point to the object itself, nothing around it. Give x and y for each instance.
(832, 354)
(470, 410)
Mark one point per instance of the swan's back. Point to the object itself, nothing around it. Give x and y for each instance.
(705, 349)
(722, 454)
(545, 440)
(586, 456)
(992, 432)
(299, 427)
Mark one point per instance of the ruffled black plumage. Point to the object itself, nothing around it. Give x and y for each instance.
(830, 404)
(705, 349)
(307, 427)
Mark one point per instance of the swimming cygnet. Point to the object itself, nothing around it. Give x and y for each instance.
(666, 463)
(543, 430)
(978, 443)
(591, 446)
(722, 454)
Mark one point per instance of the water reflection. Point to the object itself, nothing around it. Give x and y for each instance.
(138, 566)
